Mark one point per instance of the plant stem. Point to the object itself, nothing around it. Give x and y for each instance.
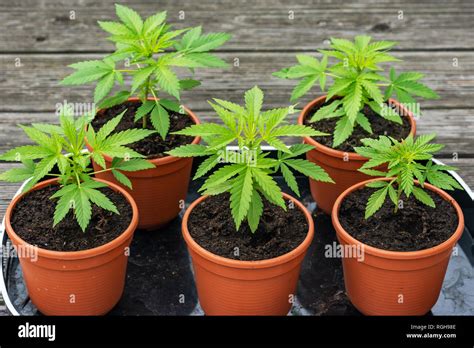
(399, 194)
(147, 89)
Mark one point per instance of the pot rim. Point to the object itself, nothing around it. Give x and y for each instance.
(258, 264)
(163, 160)
(73, 255)
(399, 255)
(353, 156)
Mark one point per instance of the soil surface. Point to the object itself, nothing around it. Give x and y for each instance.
(380, 126)
(279, 232)
(414, 227)
(32, 221)
(152, 146)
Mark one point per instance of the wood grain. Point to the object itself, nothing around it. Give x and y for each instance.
(35, 85)
(45, 26)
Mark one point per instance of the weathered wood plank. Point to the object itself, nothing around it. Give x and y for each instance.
(34, 86)
(455, 128)
(41, 26)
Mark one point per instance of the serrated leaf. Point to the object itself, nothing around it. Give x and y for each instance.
(116, 99)
(364, 122)
(188, 84)
(122, 178)
(222, 175)
(191, 150)
(144, 109)
(153, 22)
(255, 211)
(130, 18)
(140, 77)
(290, 179)
(64, 204)
(375, 201)
(203, 129)
(352, 101)
(206, 166)
(342, 131)
(115, 28)
(101, 200)
(133, 165)
(269, 187)
(240, 196)
(84, 76)
(103, 87)
(109, 127)
(309, 169)
(168, 81)
(423, 197)
(303, 87)
(82, 209)
(160, 120)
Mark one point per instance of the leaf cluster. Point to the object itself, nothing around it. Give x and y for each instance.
(59, 148)
(356, 82)
(150, 50)
(246, 173)
(406, 161)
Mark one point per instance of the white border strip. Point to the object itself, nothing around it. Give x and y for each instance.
(3, 286)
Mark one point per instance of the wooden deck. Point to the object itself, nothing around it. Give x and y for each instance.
(435, 37)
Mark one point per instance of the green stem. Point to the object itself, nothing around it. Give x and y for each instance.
(102, 171)
(147, 90)
(399, 194)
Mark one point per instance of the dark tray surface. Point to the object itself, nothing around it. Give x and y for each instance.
(160, 279)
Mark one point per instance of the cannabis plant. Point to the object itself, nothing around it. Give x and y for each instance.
(150, 50)
(246, 173)
(62, 147)
(407, 160)
(356, 82)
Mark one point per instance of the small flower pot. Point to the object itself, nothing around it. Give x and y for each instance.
(374, 284)
(232, 287)
(341, 166)
(86, 282)
(158, 191)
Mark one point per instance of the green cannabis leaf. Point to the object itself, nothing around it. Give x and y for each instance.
(356, 82)
(62, 147)
(150, 51)
(403, 160)
(246, 173)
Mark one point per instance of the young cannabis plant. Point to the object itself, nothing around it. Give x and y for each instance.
(150, 51)
(62, 147)
(246, 173)
(356, 83)
(404, 167)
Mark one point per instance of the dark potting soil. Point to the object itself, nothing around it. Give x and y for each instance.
(32, 221)
(380, 126)
(152, 146)
(414, 227)
(279, 232)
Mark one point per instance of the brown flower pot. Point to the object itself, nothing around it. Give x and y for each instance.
(159, 191)
(86, 282)
(233, 287)
(377, 284)
(341, 166)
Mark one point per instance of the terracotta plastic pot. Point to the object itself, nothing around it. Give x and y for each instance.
(233, 287)
(341, 166)
(86, 282)
(391, 282)
(159, 191)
